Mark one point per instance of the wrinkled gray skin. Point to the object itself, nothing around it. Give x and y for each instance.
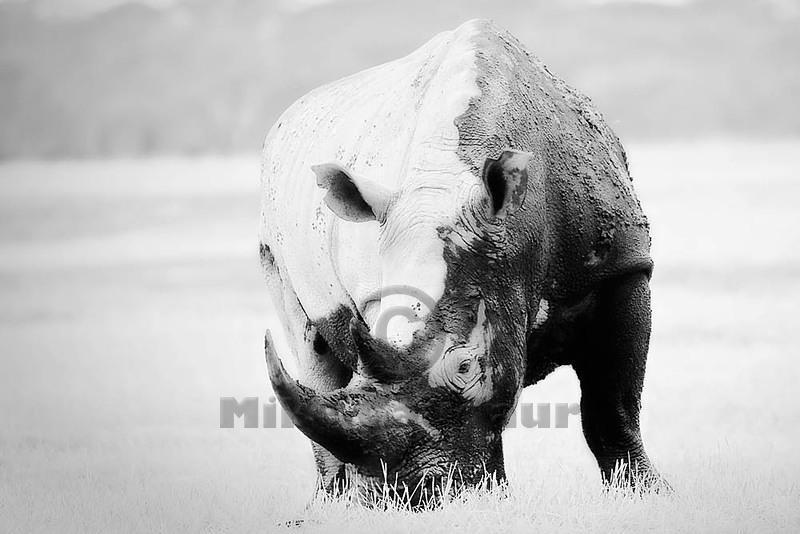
(550, 266)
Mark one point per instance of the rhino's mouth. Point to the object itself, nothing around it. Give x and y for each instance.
(390, 424)
(427, 485)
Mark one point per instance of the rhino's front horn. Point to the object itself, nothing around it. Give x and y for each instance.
(362, 427)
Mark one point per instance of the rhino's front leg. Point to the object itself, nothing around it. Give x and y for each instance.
(611, 372)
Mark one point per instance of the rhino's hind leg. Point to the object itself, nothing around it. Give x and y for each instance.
(611, 373)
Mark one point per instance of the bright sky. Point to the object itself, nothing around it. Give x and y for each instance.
(77, 7)
(83, 7)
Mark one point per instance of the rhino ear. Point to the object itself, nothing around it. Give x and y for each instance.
(506, 181)
(350, 196)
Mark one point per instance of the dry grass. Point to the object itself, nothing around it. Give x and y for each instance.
(132, 301)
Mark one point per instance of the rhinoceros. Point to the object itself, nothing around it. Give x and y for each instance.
(437, 233)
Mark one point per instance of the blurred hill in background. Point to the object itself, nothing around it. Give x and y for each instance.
(198, 76)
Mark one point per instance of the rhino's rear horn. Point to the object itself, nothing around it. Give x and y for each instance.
(382, 361)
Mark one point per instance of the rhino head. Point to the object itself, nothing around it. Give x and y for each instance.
(432, 393)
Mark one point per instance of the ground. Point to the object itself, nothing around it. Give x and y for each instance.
(132, 301)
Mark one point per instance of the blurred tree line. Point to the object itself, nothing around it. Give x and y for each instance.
(206, 76)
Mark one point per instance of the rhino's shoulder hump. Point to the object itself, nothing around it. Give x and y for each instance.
(372, 118)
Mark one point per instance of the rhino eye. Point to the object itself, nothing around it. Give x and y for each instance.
(464, 366)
